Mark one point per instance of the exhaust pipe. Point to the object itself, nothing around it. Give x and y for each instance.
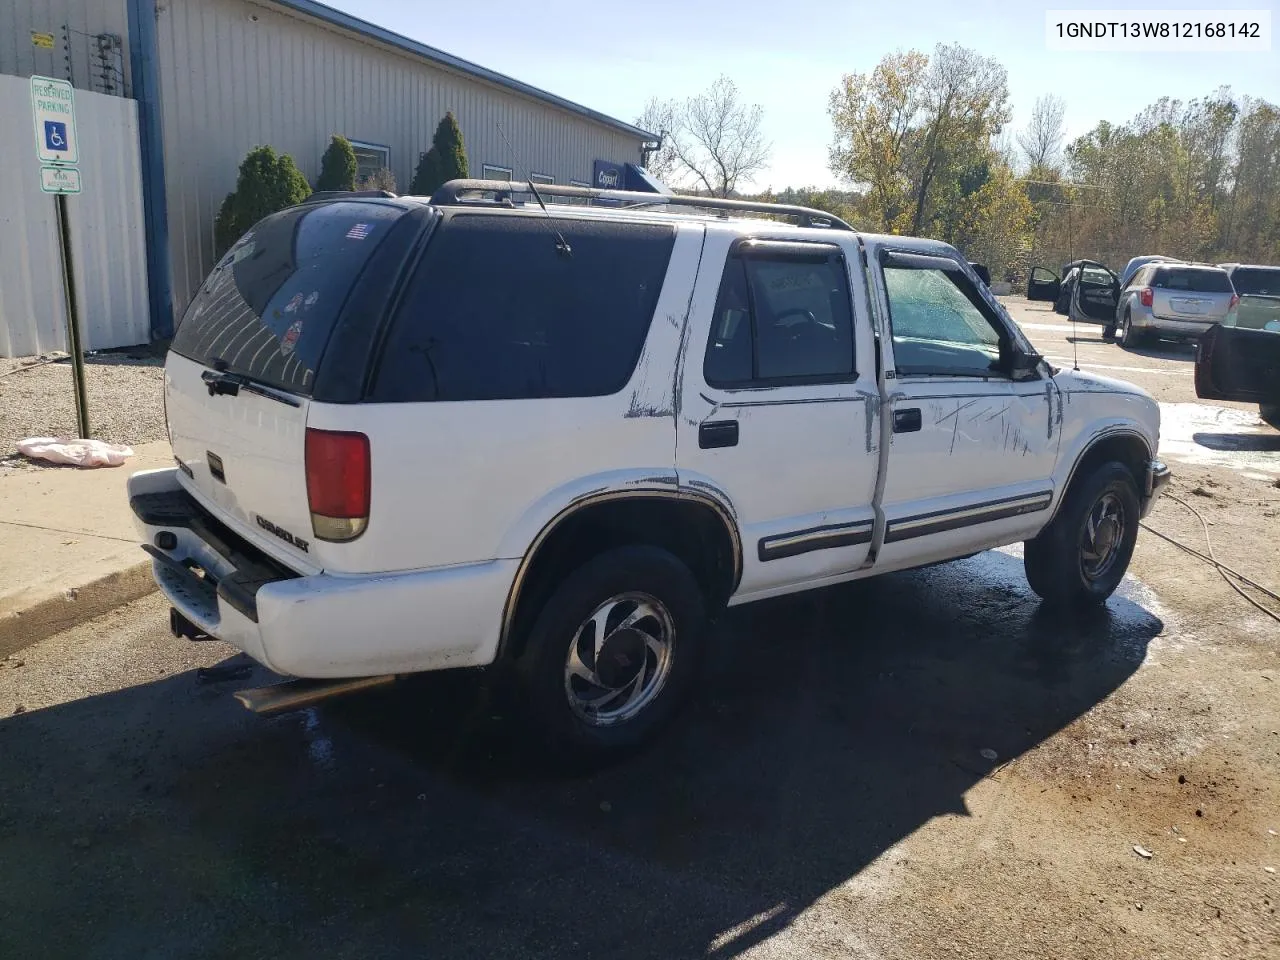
(300, 694)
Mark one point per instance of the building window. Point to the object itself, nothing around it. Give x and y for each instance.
(492, 172)
(370, 158)
(579, 183)
(579, 200)
(542, 178)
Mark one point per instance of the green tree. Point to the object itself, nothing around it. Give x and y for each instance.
(337, 166)
(267, 182)
(445, 160)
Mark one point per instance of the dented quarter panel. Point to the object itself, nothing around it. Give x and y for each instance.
(492, 468)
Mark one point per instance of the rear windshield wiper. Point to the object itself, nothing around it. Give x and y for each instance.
(222, 383)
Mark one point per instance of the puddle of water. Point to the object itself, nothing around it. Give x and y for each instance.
(1201, 433)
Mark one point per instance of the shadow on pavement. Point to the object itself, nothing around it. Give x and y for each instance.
(162, 821)
(1253, 442)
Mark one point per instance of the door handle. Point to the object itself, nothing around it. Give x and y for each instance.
(718, 433)
(906, 421)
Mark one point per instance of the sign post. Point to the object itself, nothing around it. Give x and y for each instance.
(57, 147)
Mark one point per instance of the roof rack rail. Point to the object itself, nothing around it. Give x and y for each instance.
(347, 194)
(463, 192)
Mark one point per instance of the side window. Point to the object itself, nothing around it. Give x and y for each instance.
(783, 315)
(496, 310)
(938, 327)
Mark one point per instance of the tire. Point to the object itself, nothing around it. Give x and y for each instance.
(1129, 337)
(1058, 561)
(1270, 412)
(557, 696)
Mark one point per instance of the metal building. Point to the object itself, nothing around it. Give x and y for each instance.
(212, 79)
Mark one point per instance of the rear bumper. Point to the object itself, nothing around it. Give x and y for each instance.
(321, 626)
(1171, 328)
(1157, 478)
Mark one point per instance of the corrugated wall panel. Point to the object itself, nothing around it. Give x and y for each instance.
(84, 18)
(107, 230)
(230, 83)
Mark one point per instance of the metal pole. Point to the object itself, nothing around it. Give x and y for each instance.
(73, 318)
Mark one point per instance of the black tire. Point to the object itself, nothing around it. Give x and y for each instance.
(1270, 412)
(1129, 337)
(541, 670)
(1057, 562)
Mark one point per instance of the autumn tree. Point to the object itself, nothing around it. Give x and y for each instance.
(716, 140)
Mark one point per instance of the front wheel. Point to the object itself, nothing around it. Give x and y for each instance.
(1081, 557)
(613, 653)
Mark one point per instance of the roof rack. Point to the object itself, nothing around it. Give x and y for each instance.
(464, 192)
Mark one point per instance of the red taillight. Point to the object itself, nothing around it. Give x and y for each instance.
(1235, 298)
(1145, 296)
(337, 483)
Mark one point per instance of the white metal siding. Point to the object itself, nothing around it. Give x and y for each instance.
(106, 230)
(84, 18)
(230, 83)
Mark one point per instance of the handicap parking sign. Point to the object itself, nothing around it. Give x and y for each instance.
(55, 135)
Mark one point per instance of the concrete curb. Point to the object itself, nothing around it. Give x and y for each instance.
(53, 614)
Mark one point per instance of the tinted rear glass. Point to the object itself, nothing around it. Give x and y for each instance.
(270, 304)
(1182, 278)
(495, 311)
(1257, 281)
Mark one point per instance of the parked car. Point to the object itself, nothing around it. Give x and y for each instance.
(1087, 292)
(1258, 288)
(1239, 359)
(1178, 301)
(415, 434)
(1132, 266)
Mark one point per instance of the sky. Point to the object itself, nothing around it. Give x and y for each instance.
(613, 56)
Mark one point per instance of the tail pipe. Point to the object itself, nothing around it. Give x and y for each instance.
(300, 694)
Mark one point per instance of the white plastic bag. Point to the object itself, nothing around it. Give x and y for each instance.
(77, 453)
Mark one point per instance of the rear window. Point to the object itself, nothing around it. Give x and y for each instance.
(495, 311)
(270, 304)
(1257, 281)
(1183, 278)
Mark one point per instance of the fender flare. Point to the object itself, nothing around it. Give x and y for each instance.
(704, 497)
(1106, 433)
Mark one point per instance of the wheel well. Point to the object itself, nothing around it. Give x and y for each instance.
(1126, 448)
(693, 531)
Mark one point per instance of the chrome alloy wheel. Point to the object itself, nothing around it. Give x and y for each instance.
(1102, 536)
(619, 659)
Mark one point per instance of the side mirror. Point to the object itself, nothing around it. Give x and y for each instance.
(1024, 366)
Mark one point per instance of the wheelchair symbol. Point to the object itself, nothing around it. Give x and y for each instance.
(55, 135)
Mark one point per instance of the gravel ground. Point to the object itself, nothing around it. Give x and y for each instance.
(126, 398)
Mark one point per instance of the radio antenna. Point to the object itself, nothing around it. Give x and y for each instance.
(562, 245)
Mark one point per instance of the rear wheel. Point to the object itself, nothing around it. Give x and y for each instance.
(1081, 557)
(1129, 337)
(614, 652)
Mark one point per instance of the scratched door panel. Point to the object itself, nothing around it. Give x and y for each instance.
(975, 471)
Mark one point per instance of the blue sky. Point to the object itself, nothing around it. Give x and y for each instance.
(612, 56)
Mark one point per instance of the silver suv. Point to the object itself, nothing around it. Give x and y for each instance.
(1173, 300)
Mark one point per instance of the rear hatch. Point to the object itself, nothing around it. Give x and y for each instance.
(1199, 294)
(286, 316)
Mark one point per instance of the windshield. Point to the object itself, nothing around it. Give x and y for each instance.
(1257, 281)
(268, 308)
(1189, 278)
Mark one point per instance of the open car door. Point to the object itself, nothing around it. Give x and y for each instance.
(1095, 294)
(1043, 284)
(1238, 362)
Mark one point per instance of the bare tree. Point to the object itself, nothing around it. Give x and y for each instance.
(659, 117)
(1041, 141)
(717, 139)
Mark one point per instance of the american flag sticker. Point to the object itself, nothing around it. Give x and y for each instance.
(360, 231)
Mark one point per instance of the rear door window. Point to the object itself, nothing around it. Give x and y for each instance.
(1201, 281)
(1257, 281)
(498, 310)
(269, 306)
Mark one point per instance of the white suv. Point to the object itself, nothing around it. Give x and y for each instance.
(420, 434)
